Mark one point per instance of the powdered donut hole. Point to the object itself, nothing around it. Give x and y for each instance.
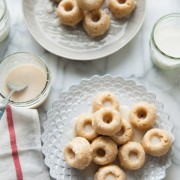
(105, 99)
(78, 153)
(89, 5)
(83, 127)
(69, 12)
(131, 156)
(124, 135)
(96, 23)
(110, 172)
(104, 150)
(143, 115)
(157, 142)
(107, 121)
(121, 8)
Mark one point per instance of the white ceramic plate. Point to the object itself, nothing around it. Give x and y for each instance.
(58, 129)
(74, 43)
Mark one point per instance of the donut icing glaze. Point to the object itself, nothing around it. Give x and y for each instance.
(121, 8)
(83, 127)
(107, 121)
(110, 171)
(69, 12)
(143, 115)
(89, 5)
(104, 150)
(78, 153)
(105, 99)
(160, 148)
(96, 23)
(124, 135)
(124, 155)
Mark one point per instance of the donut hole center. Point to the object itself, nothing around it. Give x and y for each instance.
(71, 154)
(100, 152)
(142, 114)
(155, 140)
(68, 6)
(96, 17)
(107, 118)
(133, 156)
(110, 176)
(88, 127)
(107, 103)
(121, 1)
(121, 132)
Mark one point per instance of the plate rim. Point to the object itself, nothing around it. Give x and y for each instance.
(111, 76)
(81, 55)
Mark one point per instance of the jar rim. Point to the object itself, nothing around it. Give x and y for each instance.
(35, 101)
(4, 8)
(153, 30)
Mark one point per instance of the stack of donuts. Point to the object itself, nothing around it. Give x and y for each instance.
(96, 21)
(104, 135)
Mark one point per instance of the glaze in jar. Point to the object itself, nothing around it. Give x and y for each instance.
(25, 69)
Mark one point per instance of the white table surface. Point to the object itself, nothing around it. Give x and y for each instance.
(133, 59)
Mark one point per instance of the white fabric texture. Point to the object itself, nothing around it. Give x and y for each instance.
(20, 146)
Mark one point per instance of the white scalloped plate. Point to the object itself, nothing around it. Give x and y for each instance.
(73, 43)
(58, 129)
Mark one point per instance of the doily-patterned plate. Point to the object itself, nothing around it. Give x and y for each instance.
(58, 128)
(73, 43)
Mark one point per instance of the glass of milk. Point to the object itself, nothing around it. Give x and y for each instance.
(25, 69)
(4, 20)
(165, 42)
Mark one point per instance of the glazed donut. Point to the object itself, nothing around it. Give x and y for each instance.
(104, 99)
(83, 127)
(78, 153)
(143, 115)
(96, 23)
(124, 135)
(107, 121)
(121, 8)
(161, 144)
(69, 12)
(104, 150)
(89, 5)
(110, 172)
(131, 156)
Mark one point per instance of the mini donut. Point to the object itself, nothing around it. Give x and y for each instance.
(121, 8)
(107, 121)
(124, 135)
(83, 127)
(162, 144)
(69, 12)
(105, 99)
(78, 153)
(89, 5)
(110, 172)
(143, 115)
(126, 154)
(104, 150)
(96, 23)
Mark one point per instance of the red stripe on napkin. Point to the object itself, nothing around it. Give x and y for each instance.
(14, 149)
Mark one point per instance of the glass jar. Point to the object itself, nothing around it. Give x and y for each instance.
(4, 20)
(27, 60)
(165, 42)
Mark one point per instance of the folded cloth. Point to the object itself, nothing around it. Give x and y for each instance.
(20, 146)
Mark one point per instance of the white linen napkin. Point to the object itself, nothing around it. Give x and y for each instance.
(20, 146)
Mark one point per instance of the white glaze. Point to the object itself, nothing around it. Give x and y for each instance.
(29, 75)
